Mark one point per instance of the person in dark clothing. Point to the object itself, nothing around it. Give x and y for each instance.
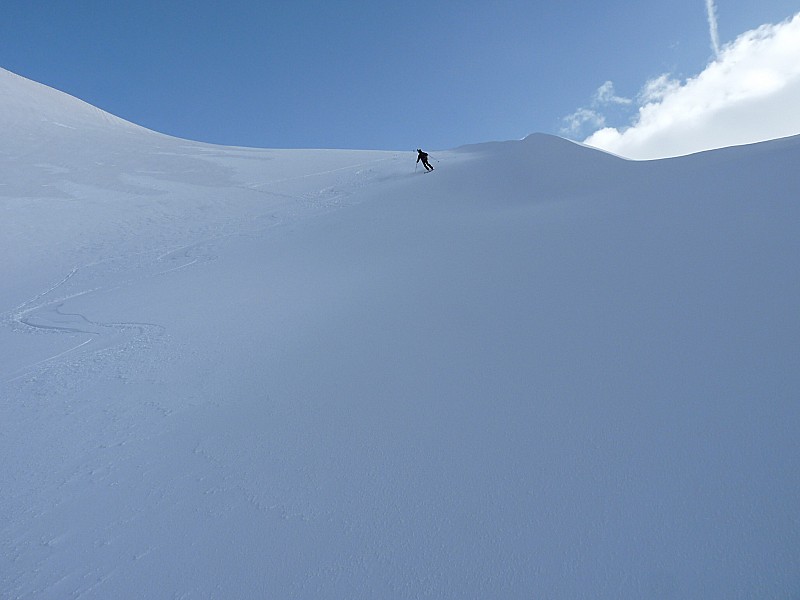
(423, 156)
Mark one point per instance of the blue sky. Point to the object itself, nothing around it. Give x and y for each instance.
(366, 74)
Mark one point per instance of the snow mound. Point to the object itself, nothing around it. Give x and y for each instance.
(538, 371)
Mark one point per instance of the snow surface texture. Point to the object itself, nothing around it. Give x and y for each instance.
(538, 372)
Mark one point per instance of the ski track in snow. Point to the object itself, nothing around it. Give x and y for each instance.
(100, 345)
(43, 312)
(26, 370)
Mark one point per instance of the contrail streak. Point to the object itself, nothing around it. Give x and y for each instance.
(711, 9)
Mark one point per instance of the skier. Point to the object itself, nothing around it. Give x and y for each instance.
(423, 156)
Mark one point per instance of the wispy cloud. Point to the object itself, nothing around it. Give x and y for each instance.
(749, 93)
(591, 117)
(713, 28)
(605, 95)
(575, 123)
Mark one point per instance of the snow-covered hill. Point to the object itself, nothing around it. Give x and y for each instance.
(540, 371)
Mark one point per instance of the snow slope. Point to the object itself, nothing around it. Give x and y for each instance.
(540, 371)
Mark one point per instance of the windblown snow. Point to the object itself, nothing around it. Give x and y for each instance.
(540, 371)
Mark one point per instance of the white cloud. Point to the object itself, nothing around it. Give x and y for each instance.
(713, 29)
(749, 93)
(657, 89)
